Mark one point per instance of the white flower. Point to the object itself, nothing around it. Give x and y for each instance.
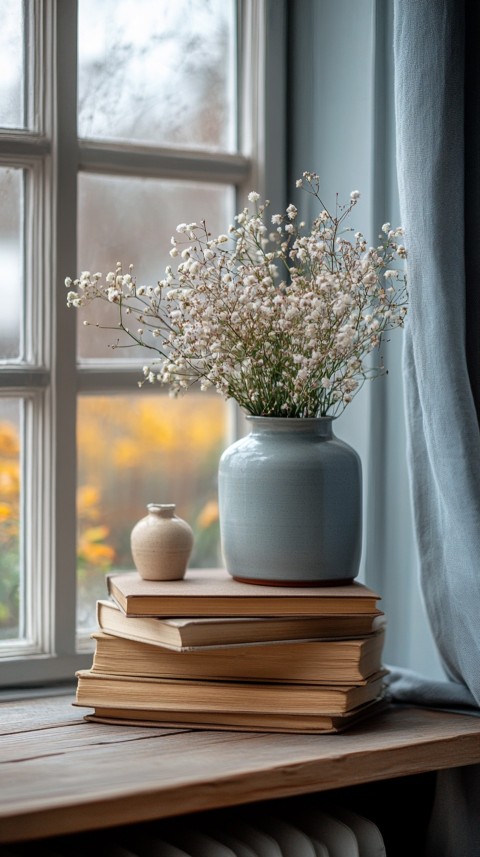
(281, 322)
(355, 194)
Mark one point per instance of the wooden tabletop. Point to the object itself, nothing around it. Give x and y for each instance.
(60, 774)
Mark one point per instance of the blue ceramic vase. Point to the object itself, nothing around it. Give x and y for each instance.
(290, 498)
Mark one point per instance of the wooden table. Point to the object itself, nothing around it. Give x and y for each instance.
(60, 774)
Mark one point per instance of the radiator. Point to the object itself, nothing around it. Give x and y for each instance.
(282, 829)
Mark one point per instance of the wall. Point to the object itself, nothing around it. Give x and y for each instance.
(341, 122)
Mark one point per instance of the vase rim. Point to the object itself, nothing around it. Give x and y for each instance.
(320, 427)
(290, 420)
(165, 510)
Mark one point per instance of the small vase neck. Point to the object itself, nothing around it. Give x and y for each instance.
(162, 510)
(317, 426)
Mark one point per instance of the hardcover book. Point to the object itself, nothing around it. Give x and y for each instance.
(107, 690)
(190, 633)
(213, 592)
(329, 661)
(238, 721)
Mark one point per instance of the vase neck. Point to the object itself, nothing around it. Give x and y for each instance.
(162, 510)
(317, 426)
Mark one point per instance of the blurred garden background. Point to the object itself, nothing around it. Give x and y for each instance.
(132, 450)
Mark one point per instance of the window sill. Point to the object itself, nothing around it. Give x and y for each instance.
(60, 774)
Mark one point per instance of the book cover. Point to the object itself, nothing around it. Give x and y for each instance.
(213, 592)
(238, 721)
(189, 633)
(102, 689)
(328, 662)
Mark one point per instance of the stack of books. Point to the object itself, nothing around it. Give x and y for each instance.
(210, 652)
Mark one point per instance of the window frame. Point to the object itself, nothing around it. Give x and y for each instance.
(51, 380)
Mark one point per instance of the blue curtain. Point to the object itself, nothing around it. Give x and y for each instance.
(437, 90)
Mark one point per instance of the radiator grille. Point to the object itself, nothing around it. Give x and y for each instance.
(274, 829)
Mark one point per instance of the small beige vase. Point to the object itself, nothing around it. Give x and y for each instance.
(161, 543)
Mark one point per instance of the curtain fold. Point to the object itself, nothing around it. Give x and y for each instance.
(437, 105)
(437, 167)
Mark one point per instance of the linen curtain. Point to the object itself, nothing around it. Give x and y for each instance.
(437, 93)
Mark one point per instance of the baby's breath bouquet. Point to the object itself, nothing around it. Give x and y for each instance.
(279, 318)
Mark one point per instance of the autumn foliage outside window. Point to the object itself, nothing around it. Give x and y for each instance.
(9, 529)
(132, 450)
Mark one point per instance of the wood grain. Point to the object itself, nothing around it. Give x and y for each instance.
(29, 714)
(59, 774)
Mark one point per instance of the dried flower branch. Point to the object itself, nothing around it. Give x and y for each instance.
(279, 319)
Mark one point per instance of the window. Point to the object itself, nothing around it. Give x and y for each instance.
(118, 120)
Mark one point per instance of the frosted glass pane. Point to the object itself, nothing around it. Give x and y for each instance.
(132, 221)
(157, 71)
(11, 64)
(9, 519)
(11, 261)
(139, 449)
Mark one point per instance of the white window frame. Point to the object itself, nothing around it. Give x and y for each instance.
(50, 381)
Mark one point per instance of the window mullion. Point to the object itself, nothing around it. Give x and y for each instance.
(63, 241)
(262, 98)
(162, 162)
(108, 376)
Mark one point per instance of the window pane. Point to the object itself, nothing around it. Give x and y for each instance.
(157, 71)
(9, 519)
(139, 449)
(11, 64)
(132, 220)
(11, 260)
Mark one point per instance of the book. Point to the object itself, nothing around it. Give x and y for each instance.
(103, 689)
(213, 592)
(187, 633)
(238, 721)
(328, 661)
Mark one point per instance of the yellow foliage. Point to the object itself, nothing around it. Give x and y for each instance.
(127, 453)
(91, 548)
(9, 522)
(9, 479)
(9, 485)
(94, 554)
(96, 534)
(125, 430)
(9, 443)
(88, 498)
(124, 436)
(6, 511)
(208, 515)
